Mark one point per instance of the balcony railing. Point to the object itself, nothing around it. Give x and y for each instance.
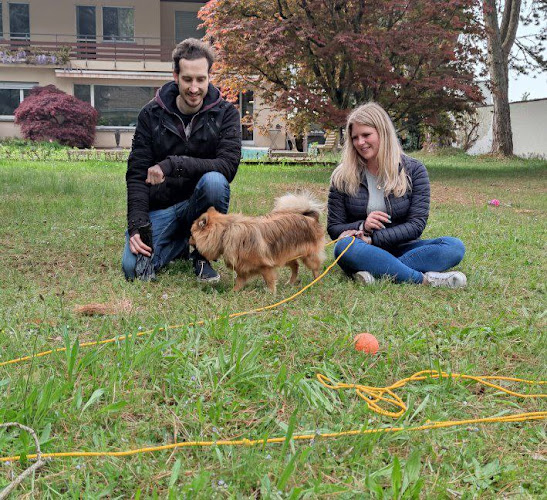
(75, 47)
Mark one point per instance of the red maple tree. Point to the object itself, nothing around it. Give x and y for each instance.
(316, 59)
(50, 114)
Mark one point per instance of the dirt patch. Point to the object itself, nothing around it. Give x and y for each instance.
(320, 191)
(443, 194)
(103, 309)
(527, 211)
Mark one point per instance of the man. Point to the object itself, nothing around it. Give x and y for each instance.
(185, 152)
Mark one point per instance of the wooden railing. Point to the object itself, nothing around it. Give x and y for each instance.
(140, 49)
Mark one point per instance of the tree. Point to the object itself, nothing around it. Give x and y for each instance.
(316, 59)
(50, 114)
(500, 40)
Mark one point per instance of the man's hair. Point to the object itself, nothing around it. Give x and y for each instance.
(192, 49)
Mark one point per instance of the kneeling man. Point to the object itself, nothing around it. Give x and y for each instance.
(185, 152)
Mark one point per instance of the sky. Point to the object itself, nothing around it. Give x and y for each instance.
(519, 84)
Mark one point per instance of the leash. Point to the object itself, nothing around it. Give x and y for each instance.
(121, 338)
(373, 396)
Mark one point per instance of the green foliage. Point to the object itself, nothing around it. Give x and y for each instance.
(24, 149)
(254, 377)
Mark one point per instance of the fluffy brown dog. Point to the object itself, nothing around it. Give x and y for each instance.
(258, 245)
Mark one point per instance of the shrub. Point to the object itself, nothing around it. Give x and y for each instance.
(50, 114)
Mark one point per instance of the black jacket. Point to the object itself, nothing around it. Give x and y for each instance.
(214, 145)
(408, 213)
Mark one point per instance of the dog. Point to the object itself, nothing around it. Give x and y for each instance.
(259, 245)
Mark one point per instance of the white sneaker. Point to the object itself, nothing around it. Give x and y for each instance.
(364, 277)
(451, 279)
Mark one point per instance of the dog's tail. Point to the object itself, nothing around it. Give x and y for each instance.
(301, 202)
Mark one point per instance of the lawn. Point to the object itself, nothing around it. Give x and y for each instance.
(61, 233)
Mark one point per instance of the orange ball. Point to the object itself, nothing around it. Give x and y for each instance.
(366, 342)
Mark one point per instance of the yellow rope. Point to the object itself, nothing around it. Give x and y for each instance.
(372, 396)
(519, 417)
(121, 338)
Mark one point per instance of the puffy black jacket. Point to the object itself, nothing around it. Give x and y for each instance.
(409, 212)
(214, 144)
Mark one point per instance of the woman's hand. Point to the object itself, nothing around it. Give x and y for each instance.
(358, 234)
(376, 220)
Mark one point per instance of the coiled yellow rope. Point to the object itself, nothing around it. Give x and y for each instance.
(372, 396)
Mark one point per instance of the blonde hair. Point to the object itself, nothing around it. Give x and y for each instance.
(347, 176)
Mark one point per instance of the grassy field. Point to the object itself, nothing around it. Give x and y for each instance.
(61, 233)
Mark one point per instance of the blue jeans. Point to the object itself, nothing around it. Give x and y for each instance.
(406, 263)
(171, 226)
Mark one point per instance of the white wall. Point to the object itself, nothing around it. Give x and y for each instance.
(529, 124)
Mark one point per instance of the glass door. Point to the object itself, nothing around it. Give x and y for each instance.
(19, 25)
(86, 30)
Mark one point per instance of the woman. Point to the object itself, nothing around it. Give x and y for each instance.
(381, 196)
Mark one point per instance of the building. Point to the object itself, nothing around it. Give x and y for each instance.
(111, 53)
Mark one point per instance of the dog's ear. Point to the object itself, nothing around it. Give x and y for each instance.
(203, 220)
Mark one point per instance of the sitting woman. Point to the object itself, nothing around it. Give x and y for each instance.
(381, 196)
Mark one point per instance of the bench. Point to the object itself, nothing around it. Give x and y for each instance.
(287, 153)
(331, 142)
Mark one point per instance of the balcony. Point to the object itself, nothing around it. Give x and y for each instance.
(59, 49)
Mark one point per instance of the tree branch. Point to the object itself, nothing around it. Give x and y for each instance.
(28, 471)
(509, 25)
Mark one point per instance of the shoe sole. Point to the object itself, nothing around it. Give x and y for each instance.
(457, 283)
(452, 282)
(364, 281)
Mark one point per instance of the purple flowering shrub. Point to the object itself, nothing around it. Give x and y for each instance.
(50, 114)
(37, 56)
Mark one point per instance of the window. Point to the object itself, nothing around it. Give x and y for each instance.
(86, 31)
(11, 95)
(85, 22)
(245, 102)
(9, 100)
(19, 21)
(1, 23)
(82, 92)
(118, 24)
(186, 26)
(120, 106)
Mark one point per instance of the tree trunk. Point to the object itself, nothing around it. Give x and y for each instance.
(502, 133)
(500, 41)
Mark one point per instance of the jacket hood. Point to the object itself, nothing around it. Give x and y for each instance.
(167, 94)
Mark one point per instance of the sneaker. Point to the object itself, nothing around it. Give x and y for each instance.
(204, 272)
(363, 277)
(452, 279)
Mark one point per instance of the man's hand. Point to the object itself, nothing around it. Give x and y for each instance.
(155, 175)
(137, 246)
(376, 220)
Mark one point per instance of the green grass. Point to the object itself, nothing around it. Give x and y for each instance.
(61, 236)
